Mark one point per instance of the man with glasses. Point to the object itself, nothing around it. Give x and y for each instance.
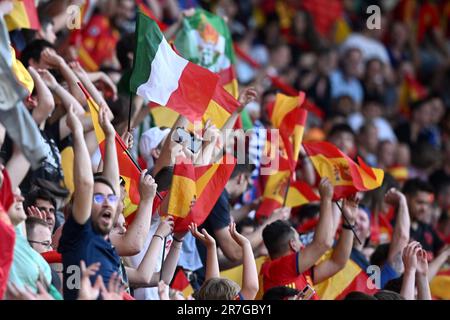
(85, 234)
(38, 234)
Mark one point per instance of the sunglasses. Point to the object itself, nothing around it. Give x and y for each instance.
(100, 198)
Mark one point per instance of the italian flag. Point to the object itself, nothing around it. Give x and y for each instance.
(163, 77)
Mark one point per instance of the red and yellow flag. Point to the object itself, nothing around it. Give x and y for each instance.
(127, 168)
(289, 117)
(181, 283)
(346, 176)
(440, 285)
(23, 16)
(351, 278)
(194, 190)
(400, 173)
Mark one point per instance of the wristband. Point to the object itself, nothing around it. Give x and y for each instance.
(158, 236)
(177, 240)
(347, 226)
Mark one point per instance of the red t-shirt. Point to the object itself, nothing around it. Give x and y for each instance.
(284, 272)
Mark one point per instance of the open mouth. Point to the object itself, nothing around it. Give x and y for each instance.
(106, 217)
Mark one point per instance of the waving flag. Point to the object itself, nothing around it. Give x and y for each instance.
(163, 77)
(181, 283)
(346, 176)
(205, 39)
(351, 278)
(289, 117)
(194, 191)
(127, 168)
(23, 16)
(440, 285)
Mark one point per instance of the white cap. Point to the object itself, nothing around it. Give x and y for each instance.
(150, 139)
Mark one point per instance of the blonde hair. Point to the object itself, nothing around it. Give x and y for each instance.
(218, 289)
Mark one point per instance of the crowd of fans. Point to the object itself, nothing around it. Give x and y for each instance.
(380, 93)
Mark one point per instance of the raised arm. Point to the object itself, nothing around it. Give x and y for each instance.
(17, 167)
(409, 276)
(341, 252)
(250, 281)
(133, 241)
(323, 238)
(82, 175)
(422, 280)
(50, 57)
(438, 261)
(46, 104)
(110, 163)
(144, 275)
(400, 236)
(212, 263)
(170, 263)
(248, 95)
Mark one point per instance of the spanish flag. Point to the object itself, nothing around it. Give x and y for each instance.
(298, 193)
(411, 90)
(346, 176)
(127, 168)
(181, 283)
(194, 190)
(23, 16)
(440, 285)
(400, 173)
(289, 117)
(351, 278)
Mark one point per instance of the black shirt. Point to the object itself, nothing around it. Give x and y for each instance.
(428, 238)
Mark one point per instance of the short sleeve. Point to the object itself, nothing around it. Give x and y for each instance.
(72, 234)
(220, 214)
(285, 268)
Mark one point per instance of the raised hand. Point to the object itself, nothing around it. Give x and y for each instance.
(422, 262)
(15, 293)
(165, 227)
(115, 289)
(147, 186)
(48, 78)
(51, 58)
(212, 133)
(73, 122)
(35, 212)
(163, 290)
(77, 68)
(128, 139)
(247, 96)
(326, 189)
(239, 238)
(105, 123)
(410, 256)
(350, 208)
(87, 290)
(204, 236)
(283, 213)
(394, 197)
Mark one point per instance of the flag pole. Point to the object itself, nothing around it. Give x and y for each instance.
(162, 259)
(346, 221)
(286, 193)
(129, 111)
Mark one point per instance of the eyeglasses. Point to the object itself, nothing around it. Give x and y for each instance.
(100, 198)
(46, 244)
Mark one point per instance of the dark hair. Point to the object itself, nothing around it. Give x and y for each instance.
(99, 178)
(43, 194)
(31, 223)
(388, 295)
(380, 255)
(394, 285)
(119, 109)
(416, 185)
(341, 127)
(125, 46)
(280, 293)
(33, 51)
(164, 178)
(242, 168)
(374, 199)
(276, 237)
(246, 222)
(357, 295)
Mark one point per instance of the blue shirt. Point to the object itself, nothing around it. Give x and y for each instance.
(81, 242)
(345, 87)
